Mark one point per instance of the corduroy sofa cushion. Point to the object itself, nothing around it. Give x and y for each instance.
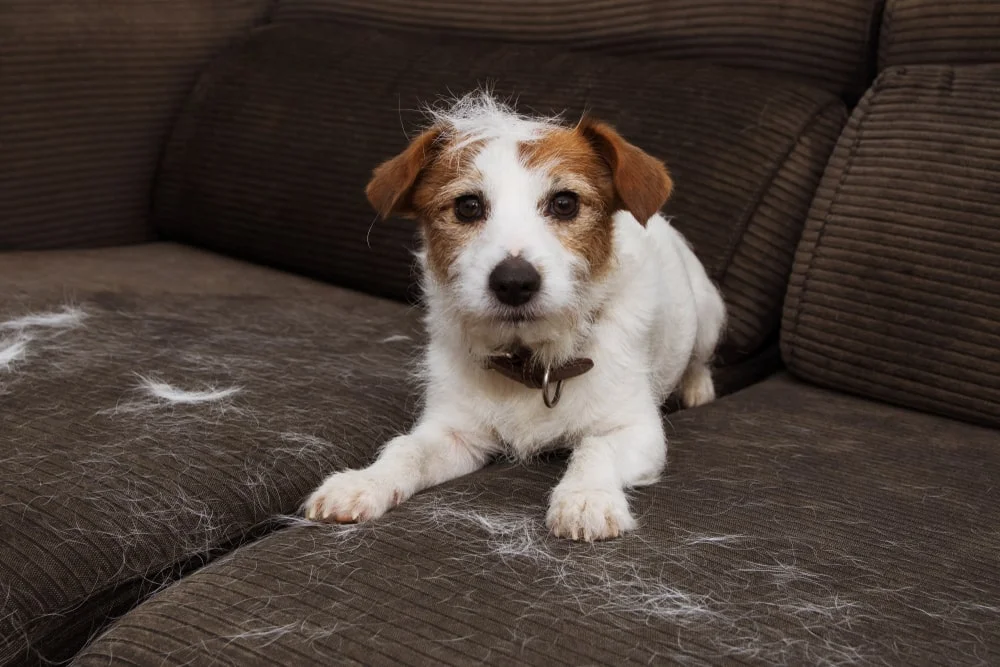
(88, 89)
(916, 32)
(895, 293)
(271, 154)
(827, 42)
(794, 526)
(109, 489)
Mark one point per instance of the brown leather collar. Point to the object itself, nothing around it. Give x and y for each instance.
(519, 366)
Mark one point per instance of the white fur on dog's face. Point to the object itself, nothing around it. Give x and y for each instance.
(515, 166)
(516, 196)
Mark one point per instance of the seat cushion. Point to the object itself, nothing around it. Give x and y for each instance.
(89, 89)
(180, 402)
(794, 525)
(162, 405)
(919, 32)
(895, 292)
(271, 155)
(827, 41)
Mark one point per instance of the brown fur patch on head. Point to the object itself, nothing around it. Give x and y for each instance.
(575, 166)
(423, 182)
(642, 183)
(449, 176)
(591, 160)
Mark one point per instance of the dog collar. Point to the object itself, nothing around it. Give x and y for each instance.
(519, 366)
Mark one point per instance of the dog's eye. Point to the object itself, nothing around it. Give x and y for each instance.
(469, 208)
(564, 205)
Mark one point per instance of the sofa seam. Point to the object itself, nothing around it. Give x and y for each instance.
(749, 212)
(876, 90)
(182, 127)
(889, 35)
(156, 578)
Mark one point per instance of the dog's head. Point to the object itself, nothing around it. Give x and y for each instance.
(516, 213)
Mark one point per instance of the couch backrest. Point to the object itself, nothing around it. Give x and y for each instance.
(918, 32)
(88, 91)
(895, 291)
(89, 88)
(269, 159)
(823, 40)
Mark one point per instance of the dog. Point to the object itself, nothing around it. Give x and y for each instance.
(562, 311)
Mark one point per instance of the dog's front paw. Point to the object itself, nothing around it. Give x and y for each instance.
(351, 497)
(589, 514)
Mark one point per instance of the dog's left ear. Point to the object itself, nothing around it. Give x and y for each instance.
(391, 188)
(642, 183)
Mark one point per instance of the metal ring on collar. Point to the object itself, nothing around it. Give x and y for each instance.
(550, 402)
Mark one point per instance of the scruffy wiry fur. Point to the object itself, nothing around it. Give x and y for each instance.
(618, 285)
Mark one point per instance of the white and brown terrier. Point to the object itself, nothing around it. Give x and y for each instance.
(562, 311)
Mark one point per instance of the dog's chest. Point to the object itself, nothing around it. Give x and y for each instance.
(525, 425)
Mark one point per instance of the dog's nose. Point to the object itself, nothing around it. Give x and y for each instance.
(514, 281)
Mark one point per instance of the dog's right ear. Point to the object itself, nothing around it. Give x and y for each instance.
(391, 188)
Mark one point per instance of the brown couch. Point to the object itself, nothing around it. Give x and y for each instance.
(181, 201)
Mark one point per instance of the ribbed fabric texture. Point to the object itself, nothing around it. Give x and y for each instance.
(760, 254)
(107, 493)
(794, 526)
(271, 155)
(821, 40)
(916, 32)
(106, 490)
(895, 293)
(88, 89)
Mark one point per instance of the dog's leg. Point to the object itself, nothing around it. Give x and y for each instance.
(431, 454)
(697, 387)
(589, 503)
